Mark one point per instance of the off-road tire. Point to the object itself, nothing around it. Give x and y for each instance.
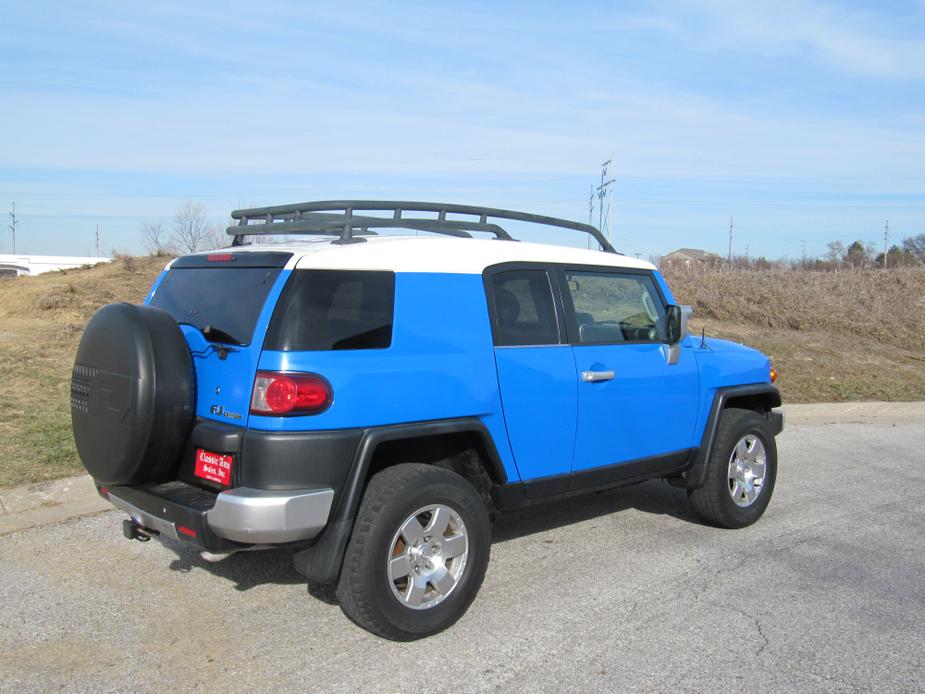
(364, 591)
(713, 502)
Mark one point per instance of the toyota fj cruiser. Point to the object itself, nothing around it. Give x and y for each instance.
(371, 400)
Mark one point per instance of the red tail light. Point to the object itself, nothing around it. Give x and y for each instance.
(219, 257)
(290, 393)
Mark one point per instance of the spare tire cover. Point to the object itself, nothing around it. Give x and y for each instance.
(132, 394)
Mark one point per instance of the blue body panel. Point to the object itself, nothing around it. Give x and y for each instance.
(540, 399)
(649, 408)
(440, 365)
(723, 364)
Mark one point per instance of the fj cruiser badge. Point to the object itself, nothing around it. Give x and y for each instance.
(222, 412)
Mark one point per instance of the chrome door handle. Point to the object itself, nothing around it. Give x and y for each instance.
(594, 376)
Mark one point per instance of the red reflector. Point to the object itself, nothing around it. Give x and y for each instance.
(219, 257)
(104, 491)
(189, 532)
(288, 393)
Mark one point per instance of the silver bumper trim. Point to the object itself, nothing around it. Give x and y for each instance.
(260, 516)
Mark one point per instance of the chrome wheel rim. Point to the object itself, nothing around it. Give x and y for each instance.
(747, 470)
(427, 557)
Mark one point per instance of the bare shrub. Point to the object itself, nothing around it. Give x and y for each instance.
(125, 259)
(156, 239)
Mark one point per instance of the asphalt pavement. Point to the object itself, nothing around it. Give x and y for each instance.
(619, 591)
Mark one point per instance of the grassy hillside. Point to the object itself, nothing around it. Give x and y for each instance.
(41, 320)
(854, 335)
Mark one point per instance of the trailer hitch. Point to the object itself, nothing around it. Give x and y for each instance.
(134, 531)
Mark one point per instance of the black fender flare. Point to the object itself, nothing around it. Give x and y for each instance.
(321, 563)
(764, 393)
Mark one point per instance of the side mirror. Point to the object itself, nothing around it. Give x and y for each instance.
(676, 318)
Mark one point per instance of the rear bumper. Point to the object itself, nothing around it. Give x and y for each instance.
(227, 519)
(266, 517)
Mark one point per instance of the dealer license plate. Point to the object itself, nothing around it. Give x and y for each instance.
(213, 467)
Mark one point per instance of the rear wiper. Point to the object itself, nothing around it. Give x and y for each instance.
(213, 334)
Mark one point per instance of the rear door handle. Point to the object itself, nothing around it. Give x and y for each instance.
(595, 376)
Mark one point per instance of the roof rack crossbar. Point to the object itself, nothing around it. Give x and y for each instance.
(338, 218)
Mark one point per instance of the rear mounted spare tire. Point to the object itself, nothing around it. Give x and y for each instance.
(132, 394)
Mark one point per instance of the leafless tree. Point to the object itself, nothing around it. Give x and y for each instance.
(154, 237)
(836, 251)
(191, 230)
(217, 238)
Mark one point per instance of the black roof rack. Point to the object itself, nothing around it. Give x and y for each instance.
(339, 218)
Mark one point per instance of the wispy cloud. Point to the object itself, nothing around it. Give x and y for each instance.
(876, 40)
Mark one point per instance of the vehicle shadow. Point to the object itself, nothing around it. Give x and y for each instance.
(655, 497)
(246, 570)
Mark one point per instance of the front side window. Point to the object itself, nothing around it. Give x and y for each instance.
(613, 307)
(524, 313)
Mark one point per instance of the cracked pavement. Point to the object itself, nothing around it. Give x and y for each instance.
(622, 590)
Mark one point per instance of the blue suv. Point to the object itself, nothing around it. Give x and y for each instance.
(370, 399)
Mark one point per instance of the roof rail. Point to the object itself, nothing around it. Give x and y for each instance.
(339, 218)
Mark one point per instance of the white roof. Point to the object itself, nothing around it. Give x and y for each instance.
(436, 254)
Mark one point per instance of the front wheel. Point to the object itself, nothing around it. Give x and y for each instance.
(741, 471)
(418, 552)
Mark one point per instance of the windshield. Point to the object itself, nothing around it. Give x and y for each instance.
(223, 302)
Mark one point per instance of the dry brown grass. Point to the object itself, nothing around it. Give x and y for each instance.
(41, 320)
(833, 337)
(888, 307)
(857, 335)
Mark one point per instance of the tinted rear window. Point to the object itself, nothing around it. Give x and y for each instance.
(227, 299)
(333, 310)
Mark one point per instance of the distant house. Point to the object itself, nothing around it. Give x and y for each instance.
(690, 259)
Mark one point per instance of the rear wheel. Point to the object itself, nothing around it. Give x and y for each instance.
(740, 473)
(418, 552)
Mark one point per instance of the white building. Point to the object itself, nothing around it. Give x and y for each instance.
(15, 265)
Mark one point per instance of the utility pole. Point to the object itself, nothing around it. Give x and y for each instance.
(730, 240)
(746, 254)
(590, 212)
(13, 224)
(97, 240)
(886, 239)
(601, 192)
(803, 243)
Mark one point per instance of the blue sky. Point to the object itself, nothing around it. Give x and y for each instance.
(802, 120)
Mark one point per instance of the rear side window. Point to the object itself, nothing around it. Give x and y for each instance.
(333, 310)
(524, 313)
(225, 300)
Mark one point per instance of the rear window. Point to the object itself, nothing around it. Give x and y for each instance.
(223, 302)
(333, 310)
